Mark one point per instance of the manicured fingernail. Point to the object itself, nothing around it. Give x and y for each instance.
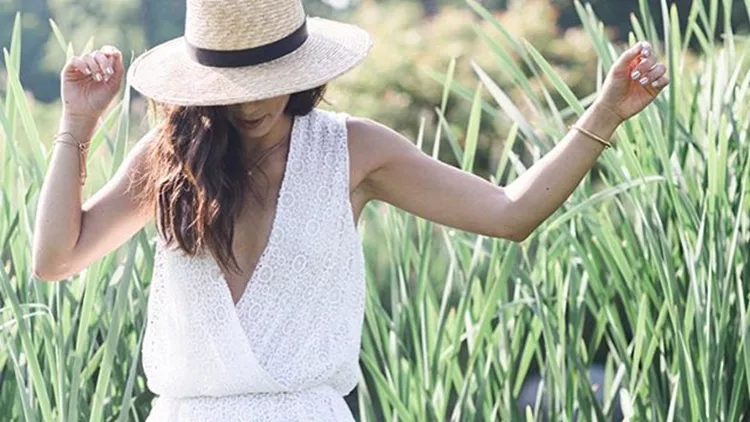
(635, 75)
(87, 71)
(644, 80)
(646, 52)
(98, 77)
(655, 84)
(110, 71)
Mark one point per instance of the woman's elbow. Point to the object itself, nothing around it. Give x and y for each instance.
(43, 269)
(511, 225)
(514, 233)
(42, 273)
(517, 236)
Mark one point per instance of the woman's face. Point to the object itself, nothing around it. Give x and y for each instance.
(256, 118)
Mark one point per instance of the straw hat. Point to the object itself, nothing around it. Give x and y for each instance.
(235, 51)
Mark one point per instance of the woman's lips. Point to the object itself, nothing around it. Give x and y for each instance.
(252, 123)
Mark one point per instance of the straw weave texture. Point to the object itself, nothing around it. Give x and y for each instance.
(168, 74)
(242, 24)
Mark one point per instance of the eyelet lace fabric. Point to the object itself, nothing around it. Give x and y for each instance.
(289, 349)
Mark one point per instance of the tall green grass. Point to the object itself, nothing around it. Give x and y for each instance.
(644, 270)
(69, 350)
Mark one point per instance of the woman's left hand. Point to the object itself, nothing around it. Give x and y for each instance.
(633, 82)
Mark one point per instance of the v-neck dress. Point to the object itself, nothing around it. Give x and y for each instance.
(288, 350)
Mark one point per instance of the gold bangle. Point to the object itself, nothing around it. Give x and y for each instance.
(82, 149)
(592, 136)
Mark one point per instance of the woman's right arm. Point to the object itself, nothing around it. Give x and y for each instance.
(69, 236)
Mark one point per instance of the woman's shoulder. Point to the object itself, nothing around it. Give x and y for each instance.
(353, 124)
(318, 113)
(332, 122)
(364, 136)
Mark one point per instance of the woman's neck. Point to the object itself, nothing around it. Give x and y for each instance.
(279, 132)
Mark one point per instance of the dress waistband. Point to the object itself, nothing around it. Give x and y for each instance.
(320, 402)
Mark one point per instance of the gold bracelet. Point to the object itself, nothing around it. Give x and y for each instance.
(82, 149)
(592, 135)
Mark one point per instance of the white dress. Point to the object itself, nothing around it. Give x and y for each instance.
(289, 350)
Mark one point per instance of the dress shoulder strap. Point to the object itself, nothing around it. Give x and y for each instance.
(325, 148)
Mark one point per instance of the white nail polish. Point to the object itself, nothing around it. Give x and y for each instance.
(644, 80)
(655, 84)
(635, 75)
(98, 77)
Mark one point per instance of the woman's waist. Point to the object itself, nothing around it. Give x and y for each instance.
(321, 402)
(240, 394)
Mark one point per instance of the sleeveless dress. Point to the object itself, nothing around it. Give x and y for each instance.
(289, 349)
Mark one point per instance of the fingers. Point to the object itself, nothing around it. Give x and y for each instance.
(660, 82)
(641, 71)
(632, 53)
(80, 65)
(649, 72)
(114, 56)
(101, 65)
(654, 76)
(92, 67)
(105, 65)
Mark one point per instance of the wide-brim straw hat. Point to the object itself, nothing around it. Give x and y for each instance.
(235, 51)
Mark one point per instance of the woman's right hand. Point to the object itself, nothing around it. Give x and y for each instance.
(90, 82)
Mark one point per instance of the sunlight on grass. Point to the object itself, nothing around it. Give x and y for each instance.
(643, 273)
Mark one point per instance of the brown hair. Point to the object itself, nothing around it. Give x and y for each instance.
(194, 207)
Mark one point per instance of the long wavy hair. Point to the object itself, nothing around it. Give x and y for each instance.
(196, 181)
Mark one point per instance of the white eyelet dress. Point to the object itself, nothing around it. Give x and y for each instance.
(289, 350)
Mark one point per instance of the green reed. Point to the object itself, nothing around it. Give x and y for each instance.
(644, 270)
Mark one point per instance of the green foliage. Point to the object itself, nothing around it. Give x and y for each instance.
(646, 271)
(132, 26)
(615, 12)
(140, 24)
(393, 85)
(67, 349)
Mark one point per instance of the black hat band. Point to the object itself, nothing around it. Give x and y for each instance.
(250, 56)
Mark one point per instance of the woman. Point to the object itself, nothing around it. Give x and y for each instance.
(256, 302)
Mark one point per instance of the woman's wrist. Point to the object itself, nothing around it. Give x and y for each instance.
(600, 120)
(606, 112)
(82, 127)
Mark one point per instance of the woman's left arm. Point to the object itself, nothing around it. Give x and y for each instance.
(402, 175)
